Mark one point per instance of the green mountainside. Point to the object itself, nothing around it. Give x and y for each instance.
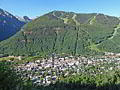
(66, 32)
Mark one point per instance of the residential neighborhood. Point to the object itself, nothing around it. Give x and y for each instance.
(49, 70)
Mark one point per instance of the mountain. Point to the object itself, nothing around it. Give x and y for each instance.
(9, 25)
(25, 19)
(66, 32)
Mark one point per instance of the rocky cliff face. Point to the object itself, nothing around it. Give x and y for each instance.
(9, 25)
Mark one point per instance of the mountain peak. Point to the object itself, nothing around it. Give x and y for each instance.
(9, 24)
(25, 19)
(5, 13)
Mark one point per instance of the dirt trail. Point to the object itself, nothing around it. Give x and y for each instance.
(74, 16)
(115, 32)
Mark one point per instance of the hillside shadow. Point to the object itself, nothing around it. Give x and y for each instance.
(77, 86)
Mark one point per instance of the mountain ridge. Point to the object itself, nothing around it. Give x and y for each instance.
(65, 32)
(9, 25)
(25, 19)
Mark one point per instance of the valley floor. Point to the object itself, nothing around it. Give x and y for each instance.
(45, 72)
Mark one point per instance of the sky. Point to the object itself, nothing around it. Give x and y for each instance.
(33, 8)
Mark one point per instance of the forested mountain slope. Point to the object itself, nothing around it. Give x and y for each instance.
(66, 32)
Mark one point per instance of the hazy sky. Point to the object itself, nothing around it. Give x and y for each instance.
(33, 8)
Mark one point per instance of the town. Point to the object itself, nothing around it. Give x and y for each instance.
(50, 70)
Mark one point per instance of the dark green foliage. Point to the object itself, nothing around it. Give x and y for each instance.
(106, 81)
(9, 80)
